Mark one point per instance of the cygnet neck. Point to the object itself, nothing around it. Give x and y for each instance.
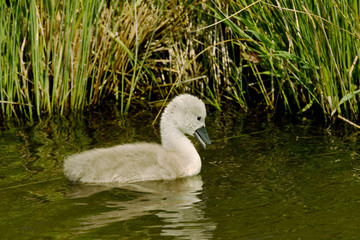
(174, 140)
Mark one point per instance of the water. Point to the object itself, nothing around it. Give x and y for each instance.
(261, 179)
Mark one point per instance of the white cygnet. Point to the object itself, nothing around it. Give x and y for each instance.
(175, 158)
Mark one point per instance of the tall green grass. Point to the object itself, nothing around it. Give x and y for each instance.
(290, 56)
(296, 55)
(67, 55)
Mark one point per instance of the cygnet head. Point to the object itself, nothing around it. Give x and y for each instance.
(185, 113)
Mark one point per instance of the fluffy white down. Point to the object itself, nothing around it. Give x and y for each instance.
(175, 158)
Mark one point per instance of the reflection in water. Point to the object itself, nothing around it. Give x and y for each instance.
(262, 179)
(173, 201)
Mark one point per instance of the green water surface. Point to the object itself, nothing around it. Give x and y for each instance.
(261, 179)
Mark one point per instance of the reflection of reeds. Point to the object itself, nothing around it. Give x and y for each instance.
(285, 55)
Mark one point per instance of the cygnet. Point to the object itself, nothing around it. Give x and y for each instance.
(175, 158)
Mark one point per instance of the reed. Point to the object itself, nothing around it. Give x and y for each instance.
(67, 55)
(298, 55)
(290, 56)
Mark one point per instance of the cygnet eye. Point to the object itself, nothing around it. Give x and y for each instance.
(199, 118)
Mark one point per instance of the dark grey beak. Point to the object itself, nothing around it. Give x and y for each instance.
(202, 136)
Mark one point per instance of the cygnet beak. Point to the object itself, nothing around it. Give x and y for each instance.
(202, 136)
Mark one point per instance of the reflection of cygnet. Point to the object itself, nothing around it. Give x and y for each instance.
(174, 202)
(175, 158)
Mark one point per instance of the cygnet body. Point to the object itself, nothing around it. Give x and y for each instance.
(175, 158)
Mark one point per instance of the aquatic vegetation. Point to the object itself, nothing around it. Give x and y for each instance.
(288, 56)
(293, 55)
